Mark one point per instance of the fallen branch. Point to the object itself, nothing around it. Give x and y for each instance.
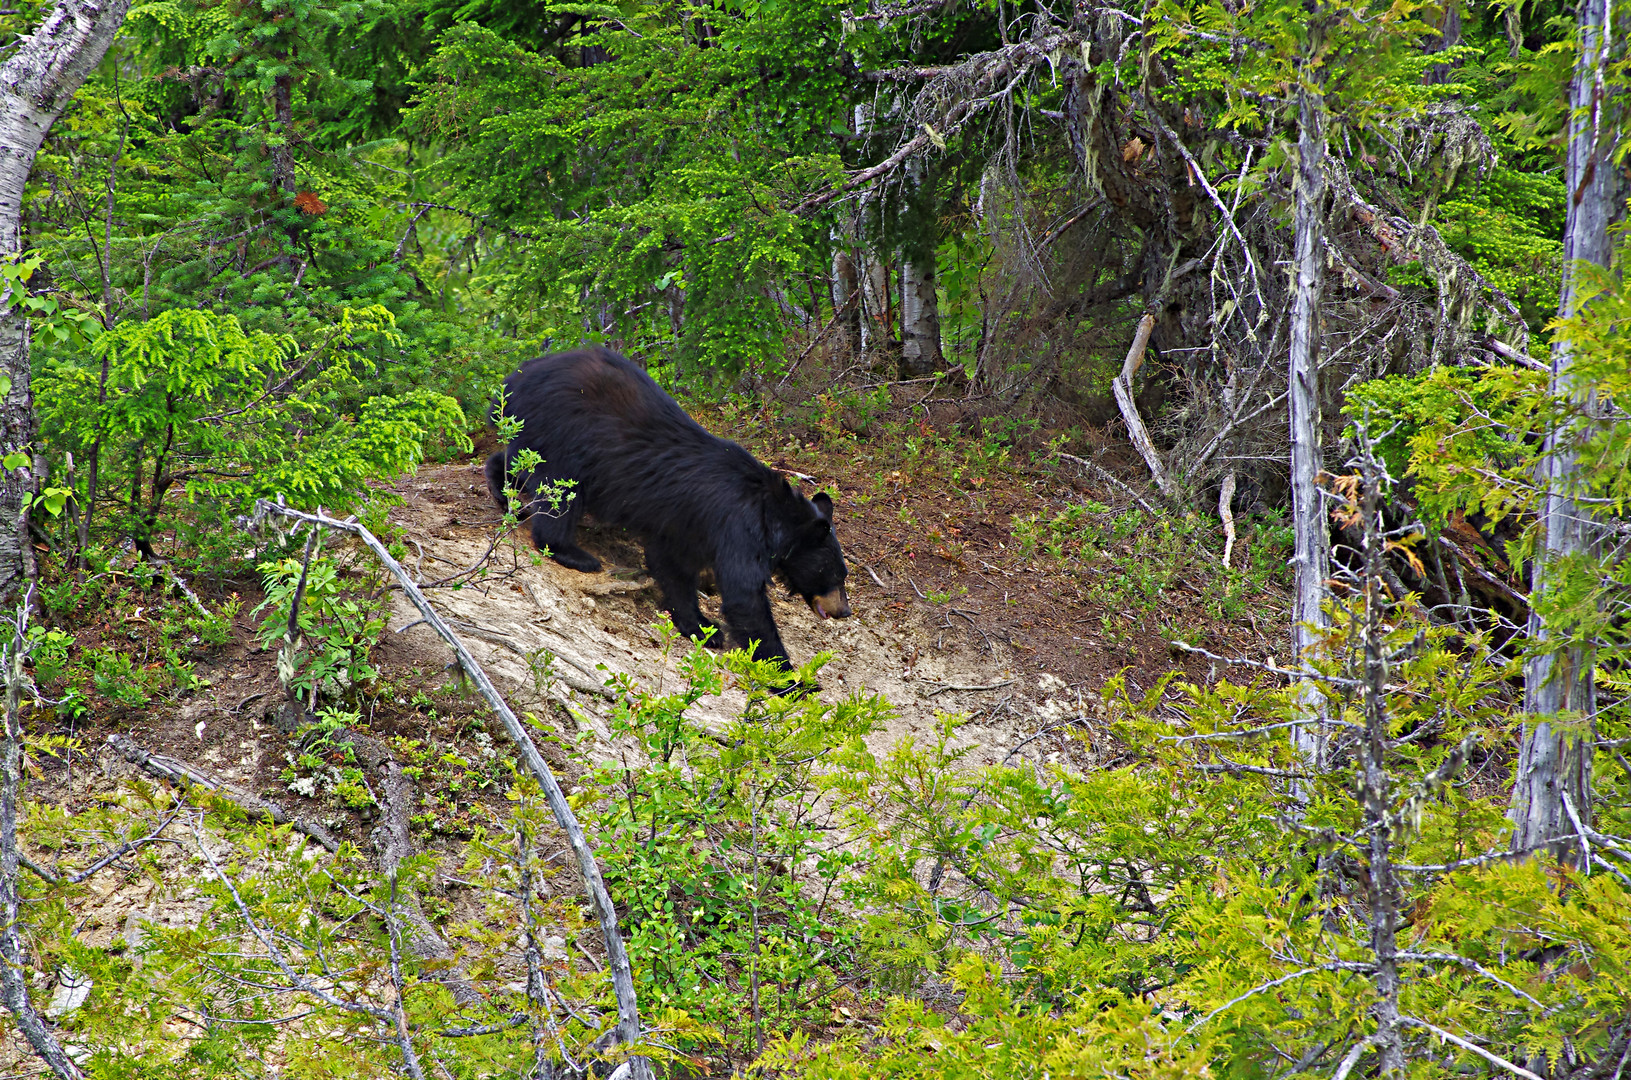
(628, 1016)
(1122, 387)
(186, 777)
(1106, 475)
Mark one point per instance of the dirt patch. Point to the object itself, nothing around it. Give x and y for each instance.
(597, 626)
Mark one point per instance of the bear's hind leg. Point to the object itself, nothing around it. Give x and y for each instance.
(558, 534)
(679, 587)
(497, 470)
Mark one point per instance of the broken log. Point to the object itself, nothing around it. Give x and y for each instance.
(1122, 387)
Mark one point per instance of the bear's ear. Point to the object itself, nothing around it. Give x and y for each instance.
(823, 504)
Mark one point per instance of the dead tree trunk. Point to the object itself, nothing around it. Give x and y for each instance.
(14, 966)
(37, 82)
(920, 353)
(1312, 555)
(1553, 786)
(846, 293)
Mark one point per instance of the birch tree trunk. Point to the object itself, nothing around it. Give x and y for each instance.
(37, 81)
(1311, 558)
(1553, 785)
(920, 318)
(877, 309)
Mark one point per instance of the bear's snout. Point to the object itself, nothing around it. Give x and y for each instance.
(833, 605)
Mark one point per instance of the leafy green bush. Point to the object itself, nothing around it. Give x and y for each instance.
(191, 401)
(327, 656)
(719, 846)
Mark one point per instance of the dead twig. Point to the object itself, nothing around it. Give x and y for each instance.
(628, 1015)
(941, 688)
(186, 777)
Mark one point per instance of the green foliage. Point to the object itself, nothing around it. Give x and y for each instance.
(192, 400)
(1148, 910)
(719, 845)
(1436, 423)
(1002, 1033)
(1477, 441)
(646, 179)
(327, 656)
(1508, 227)
(1366, 61)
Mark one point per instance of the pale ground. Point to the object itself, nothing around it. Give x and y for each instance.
(595, 621)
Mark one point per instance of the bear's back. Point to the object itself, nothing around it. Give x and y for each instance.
(639, 459)
(596, 385)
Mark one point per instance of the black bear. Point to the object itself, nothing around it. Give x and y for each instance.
(638, 460)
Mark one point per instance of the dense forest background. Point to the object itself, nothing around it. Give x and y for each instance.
(1264, 357)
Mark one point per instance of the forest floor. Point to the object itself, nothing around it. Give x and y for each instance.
(985, 580)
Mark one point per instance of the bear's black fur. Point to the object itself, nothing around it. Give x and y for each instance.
(696, 500)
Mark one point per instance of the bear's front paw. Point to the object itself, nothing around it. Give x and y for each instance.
(797, 689)
(575, 558)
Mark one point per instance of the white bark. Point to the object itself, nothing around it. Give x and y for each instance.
(919, 302)
(1554, 765)
(37, 82)
(1312, 554)
(1122, 387)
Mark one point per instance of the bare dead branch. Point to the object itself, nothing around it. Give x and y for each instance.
(622, 976)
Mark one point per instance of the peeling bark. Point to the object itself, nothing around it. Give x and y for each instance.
(1311, 559)
(37, 82)
(1554, 765)
(920, 317)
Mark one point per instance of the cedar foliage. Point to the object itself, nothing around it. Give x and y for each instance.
(288, 248)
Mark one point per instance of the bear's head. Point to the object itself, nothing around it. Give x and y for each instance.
(813, 565)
